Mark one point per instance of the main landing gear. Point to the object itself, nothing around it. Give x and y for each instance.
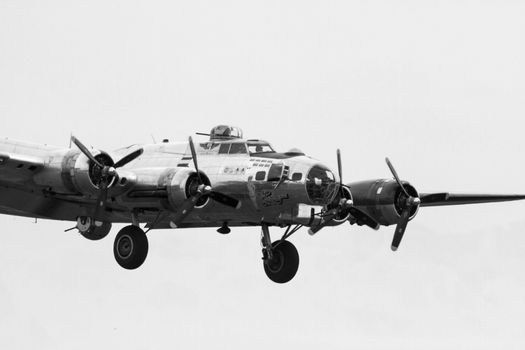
(131, 244)
(281, 259)
(130, 247)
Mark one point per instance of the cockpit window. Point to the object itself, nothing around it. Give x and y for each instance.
(225, 148)
(255, 148)
(238, 148)
(320, 185)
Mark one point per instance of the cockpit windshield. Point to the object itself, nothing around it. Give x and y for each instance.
(255, 148)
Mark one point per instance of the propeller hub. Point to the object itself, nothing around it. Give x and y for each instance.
(111, 171)
(411, 202)
(414, 201)
(346, 203)
(204, 189)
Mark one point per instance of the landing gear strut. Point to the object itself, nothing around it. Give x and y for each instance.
(130, 247)
(281, 259)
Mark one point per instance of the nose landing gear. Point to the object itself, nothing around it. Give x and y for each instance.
(280, 258)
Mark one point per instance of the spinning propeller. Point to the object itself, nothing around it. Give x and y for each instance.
(105, 174)
(201, 190)
(407, 204)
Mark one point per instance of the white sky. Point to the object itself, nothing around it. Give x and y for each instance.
(436, 85)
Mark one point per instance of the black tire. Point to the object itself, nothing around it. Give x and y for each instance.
(284, 264)
(130, 247)
(96, 233)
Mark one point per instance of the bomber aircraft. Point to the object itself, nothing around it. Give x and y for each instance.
(226, 181)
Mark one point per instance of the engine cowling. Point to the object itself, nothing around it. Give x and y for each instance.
(182, 184)
(80, 175)
(382, 199)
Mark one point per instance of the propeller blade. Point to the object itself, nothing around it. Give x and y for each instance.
(340, 167)
(225, 199)
(217, 196)
(194, 157)
(340, 171)
(400, 228)
(101, 199)
(393, 171)
(129, 158)
(411, 202)
(186, 208)
(85, 150)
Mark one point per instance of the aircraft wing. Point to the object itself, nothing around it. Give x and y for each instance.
(445, 198)
(17, 168)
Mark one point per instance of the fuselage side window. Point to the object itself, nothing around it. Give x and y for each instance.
(276, 172)
(297, 176)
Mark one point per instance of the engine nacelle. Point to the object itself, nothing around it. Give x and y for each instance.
(382, 199)
(182, 184)
(79, 174)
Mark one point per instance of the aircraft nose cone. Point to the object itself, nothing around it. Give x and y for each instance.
(320, 184)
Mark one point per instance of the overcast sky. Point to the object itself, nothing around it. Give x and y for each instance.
(437, 86)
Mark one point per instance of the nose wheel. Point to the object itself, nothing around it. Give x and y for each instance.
(130, 247)
(280, 258)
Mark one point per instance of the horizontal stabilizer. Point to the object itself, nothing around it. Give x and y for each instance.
(445, 198)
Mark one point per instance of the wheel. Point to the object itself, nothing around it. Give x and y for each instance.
(284, 264)
(94, 233)
(130, 247)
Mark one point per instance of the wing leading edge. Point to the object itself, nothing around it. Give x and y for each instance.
(445, 198)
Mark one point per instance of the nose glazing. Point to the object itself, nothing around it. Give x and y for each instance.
(321, 185)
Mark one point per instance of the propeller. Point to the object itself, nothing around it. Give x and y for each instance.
(347, 204)
(343, 203)
(343, 206)
(106, 173)
(340, 170)
(408, 204)
(202, 190)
